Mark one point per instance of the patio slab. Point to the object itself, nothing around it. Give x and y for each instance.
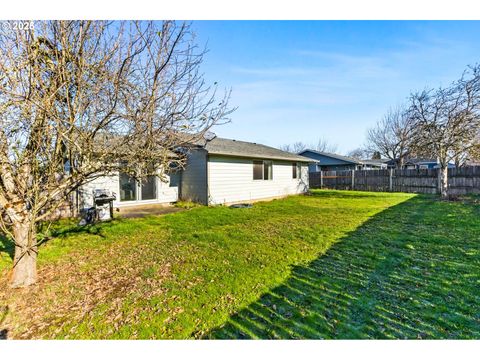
(139, 211)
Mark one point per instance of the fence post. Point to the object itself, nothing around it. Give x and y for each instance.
(353, 179)
(390, 185)
(321, 179)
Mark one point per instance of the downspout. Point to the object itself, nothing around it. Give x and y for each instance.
(180, 184)
(77, 202)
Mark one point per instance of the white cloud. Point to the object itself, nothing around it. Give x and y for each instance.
(337, 95)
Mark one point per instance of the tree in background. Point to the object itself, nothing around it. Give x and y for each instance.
(391, 136)
(474, 151)
(295, 147)
(447, 121)
(376, 155)
(322, 145)
(84, 99)
(472, 155)
(359, 154)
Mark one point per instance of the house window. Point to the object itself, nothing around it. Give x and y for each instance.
(132, 189)
(128, 188)
(296, 170)
(258, 170)
(262, 170)
(267, 170)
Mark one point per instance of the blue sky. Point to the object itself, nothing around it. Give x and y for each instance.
(302, 80)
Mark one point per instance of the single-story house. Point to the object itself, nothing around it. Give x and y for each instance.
(419, 163)
(374, 164)
(472, 163)
(224, 171)
(217, 171)
(323, 161)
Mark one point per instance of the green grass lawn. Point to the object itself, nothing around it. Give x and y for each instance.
(331, 265)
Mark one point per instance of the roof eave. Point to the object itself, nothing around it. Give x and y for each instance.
(250, 156)
(333, 156)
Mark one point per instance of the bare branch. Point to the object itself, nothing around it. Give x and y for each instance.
(82, 99)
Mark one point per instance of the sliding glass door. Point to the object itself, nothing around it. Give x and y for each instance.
(149, 188)
(132, 190)
(128, 188)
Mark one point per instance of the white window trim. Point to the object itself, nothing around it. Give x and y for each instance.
(263, 169)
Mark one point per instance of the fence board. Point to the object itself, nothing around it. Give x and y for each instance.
(463, 180)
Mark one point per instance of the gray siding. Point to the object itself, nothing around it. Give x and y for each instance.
(313, 168)
(194, 177)
(231, 180)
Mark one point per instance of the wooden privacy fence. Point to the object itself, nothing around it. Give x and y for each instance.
(463, 180)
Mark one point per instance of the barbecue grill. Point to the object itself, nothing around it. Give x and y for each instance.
(103, 204)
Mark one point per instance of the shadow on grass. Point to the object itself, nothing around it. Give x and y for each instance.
(59, 229)
(411, 271)
(94, 229)
(326, 193)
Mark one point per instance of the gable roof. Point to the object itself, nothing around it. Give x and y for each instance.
(374, 161)
(333, 156)
(417, 161)
(230, 147)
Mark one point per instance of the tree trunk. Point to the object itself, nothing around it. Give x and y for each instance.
(444, 182)
(25, 260)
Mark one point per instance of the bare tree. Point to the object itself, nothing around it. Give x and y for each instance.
(447, 121)
(83, 99)
(322, 145)
(295, 147)
(359, 153)
(376, 155)
(473, 154)
(286, 147)
(391, 135)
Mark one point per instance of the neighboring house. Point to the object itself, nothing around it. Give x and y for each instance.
(217, 171)
(472, 163)
(419, 163)
(374, 164)
(224, 171)
(324, 161)
(327, 162)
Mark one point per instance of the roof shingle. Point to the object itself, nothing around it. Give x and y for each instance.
(230, 147)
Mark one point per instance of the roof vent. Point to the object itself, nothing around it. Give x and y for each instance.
(209, 135)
